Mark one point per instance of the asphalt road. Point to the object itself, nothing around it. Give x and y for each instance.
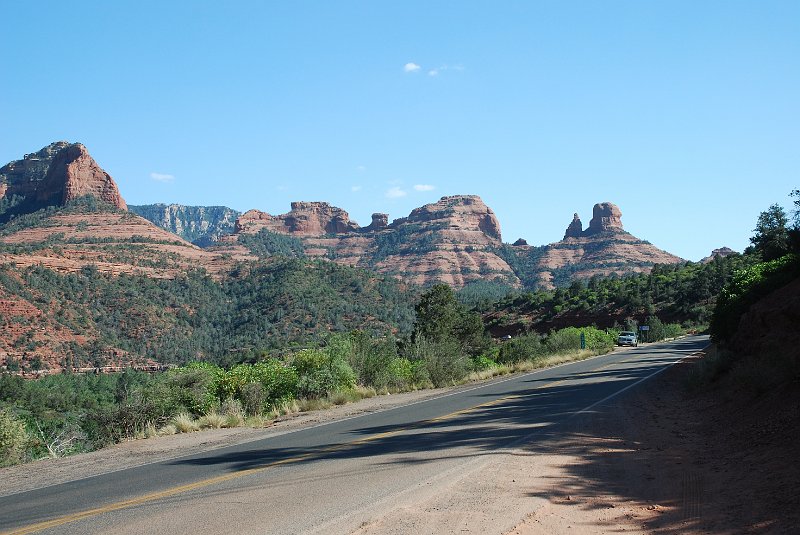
(331, 477)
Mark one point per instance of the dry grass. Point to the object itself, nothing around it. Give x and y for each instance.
(287, 407)
(306, 405)
(212, 420)
(365, 391)
(150, 431)
(258, 421)
(528, 365)
(168, 429)
(184, 423)
(233, 420)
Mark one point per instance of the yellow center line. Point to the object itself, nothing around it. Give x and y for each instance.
(116, 506)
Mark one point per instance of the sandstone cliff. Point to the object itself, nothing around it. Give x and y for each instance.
(604, 249)
(451, 241)
(53, 176)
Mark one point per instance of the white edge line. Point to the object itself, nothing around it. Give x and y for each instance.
(643, 379)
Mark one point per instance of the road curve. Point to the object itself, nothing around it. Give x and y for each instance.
(332, 477)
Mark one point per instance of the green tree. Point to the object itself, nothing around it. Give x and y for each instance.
(794, 232)
(442, 319)
(438, 313)
(771, 237)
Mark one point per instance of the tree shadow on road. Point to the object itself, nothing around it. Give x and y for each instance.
(646, 448)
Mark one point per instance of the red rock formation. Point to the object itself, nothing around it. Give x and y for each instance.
(73, 173)
(606, 217)
(465, 213)
(55, 175)
(604, 248)
(722, 252)
(575, 228)
(379, 221)
(451, 240)
(305, 219)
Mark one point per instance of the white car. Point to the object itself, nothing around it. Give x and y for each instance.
(627, 338)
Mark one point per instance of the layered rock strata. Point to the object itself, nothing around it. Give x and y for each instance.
(452, 240)
(53, 176)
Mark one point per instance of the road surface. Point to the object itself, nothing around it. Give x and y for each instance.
(339, 476)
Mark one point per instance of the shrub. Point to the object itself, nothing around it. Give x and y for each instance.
(277, 383)
(253, 398)
(400, 372)
(194, 386)
(372, 361)
(13, 438)
(320, 373)
(525, 347)
(569, 339)
(481, 363)
(443, 360)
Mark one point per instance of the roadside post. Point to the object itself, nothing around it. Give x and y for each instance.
(645, 329)
(583, 340)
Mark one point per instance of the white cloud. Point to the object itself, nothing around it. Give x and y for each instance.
(361, 168)
(355, 188)
(162, 177)
(411, 67)
(433, 72)
(424, 187)
(396, 193)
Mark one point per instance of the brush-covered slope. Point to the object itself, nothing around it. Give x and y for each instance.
(50, 320)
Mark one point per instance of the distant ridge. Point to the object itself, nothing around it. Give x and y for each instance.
(200, 225)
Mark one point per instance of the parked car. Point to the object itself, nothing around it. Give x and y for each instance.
(627, 338)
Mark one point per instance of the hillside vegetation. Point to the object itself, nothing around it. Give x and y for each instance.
(100, 318)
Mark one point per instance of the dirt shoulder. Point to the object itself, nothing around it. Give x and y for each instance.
(663, 460)
(657, 459)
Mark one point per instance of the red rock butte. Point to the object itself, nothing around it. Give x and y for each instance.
(57, 174)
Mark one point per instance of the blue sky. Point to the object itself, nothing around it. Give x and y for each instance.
(685, 114)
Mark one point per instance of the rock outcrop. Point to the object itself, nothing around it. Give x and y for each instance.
(606, 217)
(102, 235)
(722, 252)
(575, 229)
(604, 249)
(379, 221)
(53, 176)
(305, 219)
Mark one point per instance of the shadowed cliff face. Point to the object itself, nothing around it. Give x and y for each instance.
(53, 176)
